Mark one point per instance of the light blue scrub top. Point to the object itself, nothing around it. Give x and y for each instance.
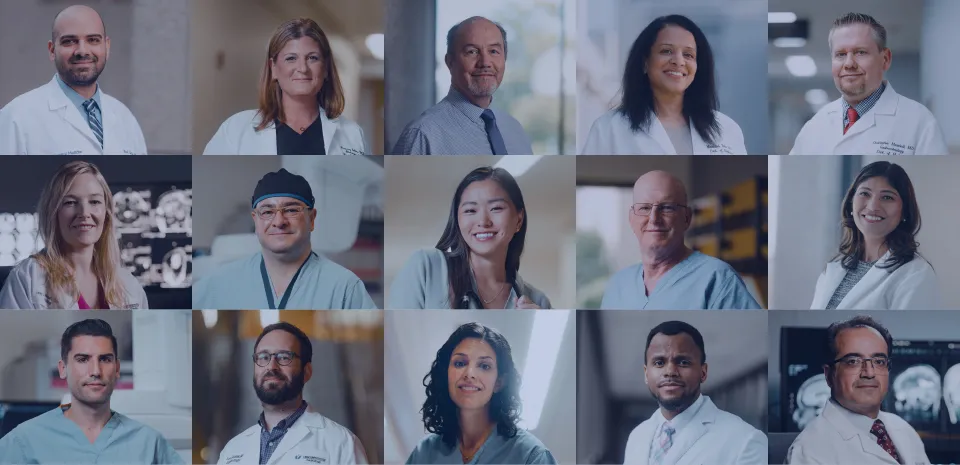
(320, 285)
(700, 282)
(54, 438)
(522, 448)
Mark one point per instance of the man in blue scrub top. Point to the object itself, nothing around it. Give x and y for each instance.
(286, 273)
(671, 276)
(86, 431)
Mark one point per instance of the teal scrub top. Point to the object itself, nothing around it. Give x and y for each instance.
(700, 282)
(522, 448)
(55, 439)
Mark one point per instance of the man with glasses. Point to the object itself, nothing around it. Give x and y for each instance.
(851, 428)
(671, 276)
(288, 431)
(286, 273)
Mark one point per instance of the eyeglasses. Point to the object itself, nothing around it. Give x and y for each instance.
(284, 358)
(855, 362)
(667, 209)
(289, 212)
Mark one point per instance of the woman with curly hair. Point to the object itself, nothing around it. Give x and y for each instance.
(473, 404)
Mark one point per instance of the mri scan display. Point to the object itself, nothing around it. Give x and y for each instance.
(811, 397)
(916, 393)
(951, 393)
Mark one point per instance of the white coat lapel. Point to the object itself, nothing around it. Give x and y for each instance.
(848, 432)
(833, 274)
(265, 142)
(59, 103)
(699, 146)
(695, 429)
(645, 440)
(250, 451)
(329, 130)
(290, 440)
(869, 283)
(869, 444)
(660, 137)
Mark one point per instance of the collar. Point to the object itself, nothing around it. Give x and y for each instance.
(460, 102)
(76, 98)
(862, 423)
(286, 423)
(866, 104)
(684, 418)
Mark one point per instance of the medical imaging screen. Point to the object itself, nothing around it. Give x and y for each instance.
(803, 388)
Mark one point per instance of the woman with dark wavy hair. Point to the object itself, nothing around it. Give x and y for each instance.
(473, 404)
(476, 262)
(878, 267)
(669, 104)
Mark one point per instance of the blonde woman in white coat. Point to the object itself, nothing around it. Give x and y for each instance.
(878, 267)
(80, 265)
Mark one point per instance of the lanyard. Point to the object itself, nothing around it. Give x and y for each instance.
(269, 289)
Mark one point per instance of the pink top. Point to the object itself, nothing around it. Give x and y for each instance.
(85, 306)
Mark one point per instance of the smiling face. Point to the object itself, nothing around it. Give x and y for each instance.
(659, 232)
(274, 383)
(299, 68)
(858, 63)
(672, 63)
(877, 208)
(79, 48)
(91, 369)
(673, 370)
(487, 218)
(477, 60)
(285, 232)
(472, 374)
(82, 212)
(860, 389)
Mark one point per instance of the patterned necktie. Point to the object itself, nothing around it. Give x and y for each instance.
(93, 119)
(884, 441)
(493, 133)
(852, 117)
(664, 442)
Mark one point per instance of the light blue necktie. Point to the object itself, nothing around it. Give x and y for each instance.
(493, 132)
(664, 442)
(93, 119)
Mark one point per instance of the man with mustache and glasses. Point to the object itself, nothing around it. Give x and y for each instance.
(71, 115)
(288, 431)
(671, 276)
(86, 430)
(851, 428)
(463, 122)
(688, 428)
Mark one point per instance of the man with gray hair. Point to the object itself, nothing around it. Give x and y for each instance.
(869, 118)
(463, 122)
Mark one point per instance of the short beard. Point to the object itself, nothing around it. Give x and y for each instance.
(290, 391)
(676, 405)
(484, 91)
(70, 78)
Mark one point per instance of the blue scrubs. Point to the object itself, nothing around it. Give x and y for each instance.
(54, 438)
(700, 282)
(522, 448)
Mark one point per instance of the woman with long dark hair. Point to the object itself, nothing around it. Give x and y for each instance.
(669, 104)
(473, 404)
(476, 262)
(878, 266)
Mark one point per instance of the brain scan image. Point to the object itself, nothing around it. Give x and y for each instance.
(811, 397)
(917, 393)
(132, 210)
(8, 223)
(174, 269)
(173, 211)
(951, 393)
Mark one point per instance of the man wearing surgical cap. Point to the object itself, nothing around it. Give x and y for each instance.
(286, 273)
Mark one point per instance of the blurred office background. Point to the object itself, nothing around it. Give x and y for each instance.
(149, 68)
(736, 30)
(805, 233)
(544, 352)
(347, 384)
(924, 376)
(349, 204)
(229, 40)
(538, 87)
(612, 396)
(728, 196)
(153, 201)
(919, 33)
(419, 191)
(155, 355)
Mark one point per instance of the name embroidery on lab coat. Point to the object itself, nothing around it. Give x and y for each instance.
(234, 458)
(722, 149)
(892, 148)
(311, 458)
(350, 151)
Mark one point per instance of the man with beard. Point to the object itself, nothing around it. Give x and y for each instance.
(288, 430)
(851, 428)
(86, 430)
(463, 122)
(71, 115)
(687, 428)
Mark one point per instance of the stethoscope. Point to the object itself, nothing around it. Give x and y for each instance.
(471, 297)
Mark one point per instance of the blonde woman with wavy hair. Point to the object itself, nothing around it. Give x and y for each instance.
(300, 102)
(79, 267)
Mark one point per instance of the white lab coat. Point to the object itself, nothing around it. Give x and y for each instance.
(238, 136)
(895, 125)
(45, 122)
(26, 288)
(313, 439)
(610, 134)
(913, 286)
(712, 436)
(833, 439)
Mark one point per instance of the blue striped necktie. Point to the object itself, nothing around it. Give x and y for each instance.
(493, 133)
(93, 119)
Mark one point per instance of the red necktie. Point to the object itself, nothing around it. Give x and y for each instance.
(852, 117)
(884, 441)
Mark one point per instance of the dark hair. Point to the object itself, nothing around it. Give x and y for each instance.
(452, 33)
(879, 32)
(439, 411)
(700, 99)
(902, 240)
(458, 258)
(88, 327)
(859, 321)
(672, 328)
(306, 347)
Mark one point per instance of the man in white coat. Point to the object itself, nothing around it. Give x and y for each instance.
(870, 118)
(71, 115)
(851, 428)
(687, 428)
(288, 430)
